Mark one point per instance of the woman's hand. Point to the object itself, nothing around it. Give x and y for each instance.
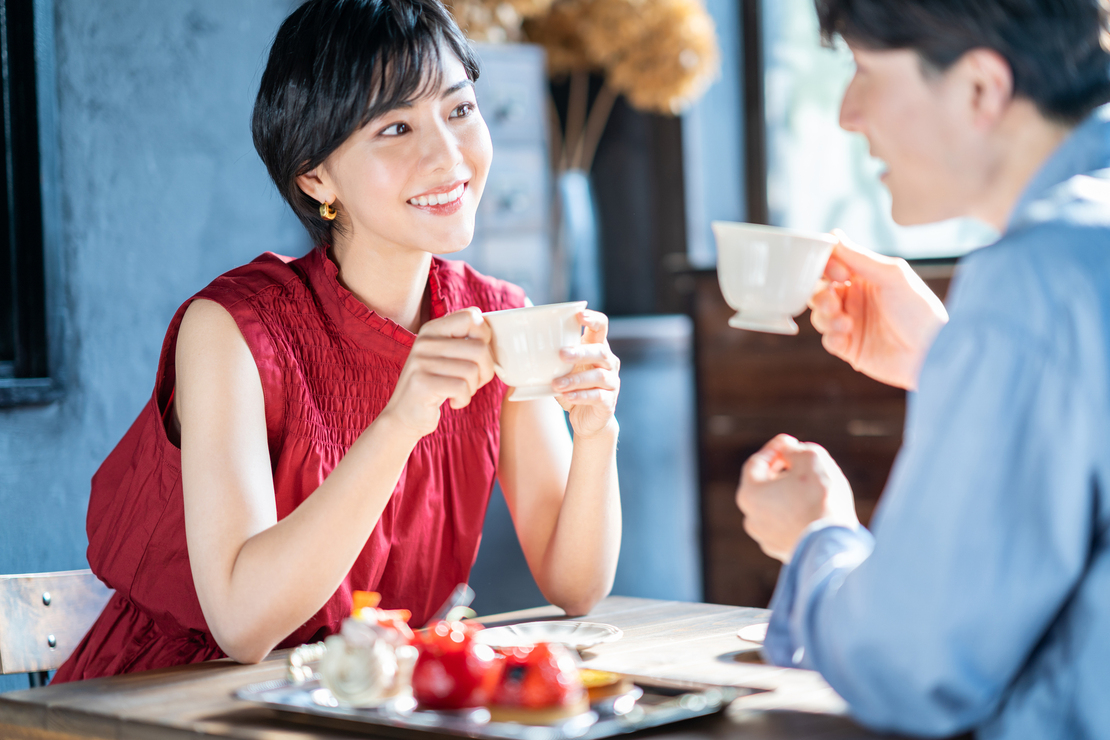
(876, 314)
(449, 361)
(787, 486)
(589, 392)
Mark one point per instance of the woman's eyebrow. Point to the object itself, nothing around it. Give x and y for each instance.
(446, 92)
(456, 87)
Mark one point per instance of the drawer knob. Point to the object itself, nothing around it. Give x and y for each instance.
(514, 202)
(508, 109)
(870, 428)
(721, 425)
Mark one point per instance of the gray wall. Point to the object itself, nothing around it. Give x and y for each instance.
(160, 190)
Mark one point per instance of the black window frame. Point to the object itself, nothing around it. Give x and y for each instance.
(29, 360)
(755, 117)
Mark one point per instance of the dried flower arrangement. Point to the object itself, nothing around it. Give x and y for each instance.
(495, 21)
(660, 54)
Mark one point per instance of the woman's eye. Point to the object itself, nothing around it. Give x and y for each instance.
(395, 130)
(463, 110)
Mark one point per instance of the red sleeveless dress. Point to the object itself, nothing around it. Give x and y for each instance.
(328, 366)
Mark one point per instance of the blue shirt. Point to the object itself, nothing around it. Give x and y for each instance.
(983, 598)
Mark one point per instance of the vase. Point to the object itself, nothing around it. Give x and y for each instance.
(577, 275)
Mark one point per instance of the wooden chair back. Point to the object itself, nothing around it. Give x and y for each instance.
(43, 616)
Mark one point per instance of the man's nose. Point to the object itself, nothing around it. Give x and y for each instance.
(851, 118)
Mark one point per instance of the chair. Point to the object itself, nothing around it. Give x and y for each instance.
(43, 617)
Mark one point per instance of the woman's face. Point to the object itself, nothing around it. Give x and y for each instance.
(411, 179)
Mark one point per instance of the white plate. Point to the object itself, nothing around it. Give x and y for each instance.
(753, 633)
(577, 635)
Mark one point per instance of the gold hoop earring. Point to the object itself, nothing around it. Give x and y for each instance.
(327, 212)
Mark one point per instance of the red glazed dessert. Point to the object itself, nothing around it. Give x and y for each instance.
(539, 685)
(453, 671)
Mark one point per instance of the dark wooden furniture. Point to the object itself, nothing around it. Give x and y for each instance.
(661, 638)
(753, 386)
(43, 617)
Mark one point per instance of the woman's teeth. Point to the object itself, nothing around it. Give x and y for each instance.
(438, 199)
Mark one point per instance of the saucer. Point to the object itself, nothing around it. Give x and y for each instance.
(576, 635)
(753, 633)
(765, 323)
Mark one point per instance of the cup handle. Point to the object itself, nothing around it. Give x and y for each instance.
(500, 371)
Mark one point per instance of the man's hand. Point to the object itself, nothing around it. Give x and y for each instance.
(876, 314)
(787, 486)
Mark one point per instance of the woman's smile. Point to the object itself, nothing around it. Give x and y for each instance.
(442, 201)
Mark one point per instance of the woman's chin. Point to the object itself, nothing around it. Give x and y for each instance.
(451, 250)
(448, 245)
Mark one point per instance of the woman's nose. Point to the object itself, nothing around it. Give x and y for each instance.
(442, 150)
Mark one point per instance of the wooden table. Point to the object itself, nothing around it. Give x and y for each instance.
(665, 639)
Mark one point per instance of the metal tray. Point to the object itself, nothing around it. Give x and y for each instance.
(652, 703)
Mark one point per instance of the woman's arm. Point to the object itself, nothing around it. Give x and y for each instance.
(564, 497)
(259, 579)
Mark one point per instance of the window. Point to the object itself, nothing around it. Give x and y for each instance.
(25, 362)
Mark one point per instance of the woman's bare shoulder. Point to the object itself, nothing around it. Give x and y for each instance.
(205, 323)
(211, 350)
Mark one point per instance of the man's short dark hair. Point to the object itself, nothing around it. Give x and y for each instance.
(1055, 48)
(334, 66)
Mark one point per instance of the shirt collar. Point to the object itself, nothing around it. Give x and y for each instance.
(351, 313)
(1086, 149)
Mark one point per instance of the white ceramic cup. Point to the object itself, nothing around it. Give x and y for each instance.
(526, 344)
(767, 274)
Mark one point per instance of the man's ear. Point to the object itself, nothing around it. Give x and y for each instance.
(315, 184)
(990, 83)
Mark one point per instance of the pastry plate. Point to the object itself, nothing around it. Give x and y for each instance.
(575, 635)
(654, 702)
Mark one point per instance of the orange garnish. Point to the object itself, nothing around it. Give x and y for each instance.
(364, 600)
(400, 615)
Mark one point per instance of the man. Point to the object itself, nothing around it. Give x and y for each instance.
(983, 599)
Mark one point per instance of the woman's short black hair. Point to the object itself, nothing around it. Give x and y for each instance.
(1057, 49)
(334, 66)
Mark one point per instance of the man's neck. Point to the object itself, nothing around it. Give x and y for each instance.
(390, 282)
(1025, 141)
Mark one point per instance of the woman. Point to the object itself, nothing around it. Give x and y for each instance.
(332, 423)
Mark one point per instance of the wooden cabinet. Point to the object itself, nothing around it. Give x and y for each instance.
(752, 386)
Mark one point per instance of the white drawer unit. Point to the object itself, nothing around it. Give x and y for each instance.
(517, 196)
(512, 92)
(513, 234)
(522, 257)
